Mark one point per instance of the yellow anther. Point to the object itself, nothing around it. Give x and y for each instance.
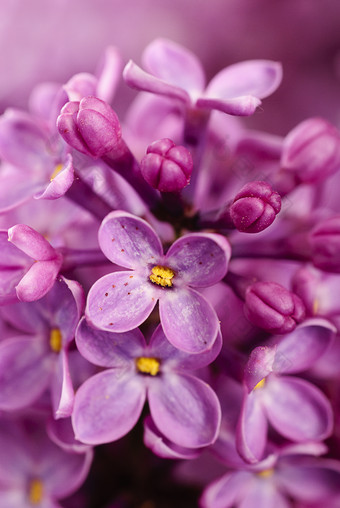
(56, 340)
(56, 171)
(260, 384)
(35, 492)
(148, 365)
(315, 306)
(162, 275)
(265, 473)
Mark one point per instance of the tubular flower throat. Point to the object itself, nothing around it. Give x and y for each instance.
(56, 340)
(35, 492)
(162, 275)
(147, 365)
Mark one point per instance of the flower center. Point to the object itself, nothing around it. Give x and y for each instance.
(35, 492)
(260, 384)
(162, 275)
(147, 365)
(55, 340)
(265, 473)
(56, 171)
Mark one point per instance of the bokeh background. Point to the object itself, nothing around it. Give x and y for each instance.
(49, 40)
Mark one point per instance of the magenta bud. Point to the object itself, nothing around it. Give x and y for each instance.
(167, 167)
(90, 126)
(325, 245)
(311, 151)
(255, 207)
(272, 307)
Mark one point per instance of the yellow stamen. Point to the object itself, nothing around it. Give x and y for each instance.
(162, 276)
(315, 306)
(35, 493)
(56, 171)
(265, 473)
(56, 340)
(148, 365)
(260, 384)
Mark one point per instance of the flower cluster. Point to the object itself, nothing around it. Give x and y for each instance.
(149, 279)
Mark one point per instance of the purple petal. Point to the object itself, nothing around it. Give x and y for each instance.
(135, 77)
(264, 494)
(62, 388)
(162, 447)
(107, 406)
(174, 64)
(61, 433)
(23, 141)
(81, 85)
(109, 349)
(199, 259)
(241, 106)
(15, 189)
(120, 301)
(185, 409)
(188, 320)
(227, 491)
(259, 365)
(297, 409)
(60, 184)
(38, 280)
(8, 281)
(175, 359)
(10, 255)
(109, 74)
(300, 349)
(129, 241)
(61, 472)
(310, 479)
(31, 242)
(257, 78)
(251, 436)
(23, 363)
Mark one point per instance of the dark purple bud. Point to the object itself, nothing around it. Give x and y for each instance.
(90, 126)
(311, 151)
(272, 307)
(325, 245)
(255, 207)
(167, 167)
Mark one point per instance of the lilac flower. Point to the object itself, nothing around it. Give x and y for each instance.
(33, 470)
(297, 409)
(29, 265)
(122, 300)
(108, 405)
(291, 472)
(39, 359)
(175, 72)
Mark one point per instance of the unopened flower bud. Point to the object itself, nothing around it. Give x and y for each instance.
(272, 307)
(311, 151)
(90, 126)
(167, 167)
(325, 245)
(255, 207)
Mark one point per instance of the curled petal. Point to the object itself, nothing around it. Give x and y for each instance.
(60, 184)
(31, 242)
(62, 388)
(135, 77)
(297, 409)
(129, 241)
(162, 447)
(199, 259)
(120, 301)
(38, 280)
(251, 436)
(185, 409)
(188, 320)
(240, 106)
(107, 406)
